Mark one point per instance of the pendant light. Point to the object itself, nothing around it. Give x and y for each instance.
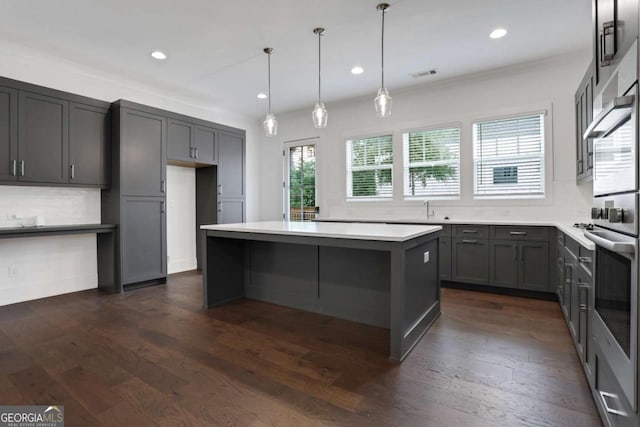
(383, 100)
(319, 113)
(270, 124)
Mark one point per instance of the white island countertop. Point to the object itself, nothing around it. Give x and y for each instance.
(336, 230)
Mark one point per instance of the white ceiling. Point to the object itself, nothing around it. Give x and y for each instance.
(215, 48)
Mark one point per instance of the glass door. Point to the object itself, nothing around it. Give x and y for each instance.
(300, 184)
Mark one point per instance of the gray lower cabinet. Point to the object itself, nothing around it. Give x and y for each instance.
(143, 153)
(43, 133)
(89, 145)
(504, 263)
(533, 266)
(143, 254)
(444, 258)
(230, 211)
(470, 262)
(8, 134)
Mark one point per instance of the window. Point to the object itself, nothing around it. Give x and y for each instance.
(432, 163)
(509, 157)
(369, 168)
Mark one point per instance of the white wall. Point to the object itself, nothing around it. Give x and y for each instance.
(68, 265)
(181, 219)
(548, 84)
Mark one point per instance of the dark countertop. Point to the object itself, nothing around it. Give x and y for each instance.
(51, 230)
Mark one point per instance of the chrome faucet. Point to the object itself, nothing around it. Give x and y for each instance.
(430, 212)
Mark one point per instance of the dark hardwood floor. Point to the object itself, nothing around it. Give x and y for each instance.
(153, 357)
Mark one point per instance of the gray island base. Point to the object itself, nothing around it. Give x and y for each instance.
(378, 274)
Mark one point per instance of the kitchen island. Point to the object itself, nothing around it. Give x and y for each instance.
(379, 274)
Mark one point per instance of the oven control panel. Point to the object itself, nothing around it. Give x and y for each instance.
(618, 212)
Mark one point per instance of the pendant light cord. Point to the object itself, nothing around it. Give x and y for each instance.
(319, 68)
(269, 78)
(382, 46)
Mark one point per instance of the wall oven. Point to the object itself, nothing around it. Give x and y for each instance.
(615, 215)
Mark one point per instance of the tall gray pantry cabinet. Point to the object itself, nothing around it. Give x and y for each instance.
(145, 140)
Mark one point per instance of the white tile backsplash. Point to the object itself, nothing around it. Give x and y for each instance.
(20, 205)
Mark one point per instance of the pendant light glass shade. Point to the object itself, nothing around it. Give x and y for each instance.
(319, 114)
(383, 103)
(383, 100)
(270, 124)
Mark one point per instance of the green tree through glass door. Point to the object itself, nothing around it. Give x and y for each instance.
(302, 182)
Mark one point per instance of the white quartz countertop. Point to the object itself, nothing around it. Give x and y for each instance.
(575, 233)
(337, 230)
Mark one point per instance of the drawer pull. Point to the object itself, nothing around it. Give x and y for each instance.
(518, 233)
(583, 307)
(585, 259)
(470, 241)
(604, 395)
(470, 231)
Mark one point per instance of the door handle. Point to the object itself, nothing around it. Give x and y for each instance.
(219, 189)
(162, 209)
(163, 185)
(604, 395)
(73, 172)
(21, 167)
(195, 150)
(14, 167)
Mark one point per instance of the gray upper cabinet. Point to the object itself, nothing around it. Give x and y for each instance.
(142, 153)
(179, 140)
(231, 166)
(89, 145)
(144, 242)
(204, 145)
(584, 116)
(191, 143)
(8, 134)
(43, 134)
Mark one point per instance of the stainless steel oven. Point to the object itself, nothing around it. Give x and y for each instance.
(615, 318)
(615, 214)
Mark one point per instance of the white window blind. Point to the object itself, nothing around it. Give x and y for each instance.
(509, 157)
(369, 168)
(432, 163)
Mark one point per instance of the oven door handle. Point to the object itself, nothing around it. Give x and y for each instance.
(620, 247)
(611, 117)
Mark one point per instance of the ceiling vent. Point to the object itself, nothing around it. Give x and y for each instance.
(426, 73)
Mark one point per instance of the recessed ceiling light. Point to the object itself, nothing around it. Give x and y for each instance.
(357, 70)
(498, 33)
(262, 95)
(157, 54)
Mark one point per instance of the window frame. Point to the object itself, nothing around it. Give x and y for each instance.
(546, 158)
(406, 166)
(349, 169)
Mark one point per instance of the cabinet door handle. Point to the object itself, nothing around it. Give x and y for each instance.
(518, 233)
(73, 172)
(219, 189)
(21, 167)
(14, 167)
(470, 241)
(470, 231)
(585, 259)
(195, 150)
(163, 185)
(162, 209)
(604, 395)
